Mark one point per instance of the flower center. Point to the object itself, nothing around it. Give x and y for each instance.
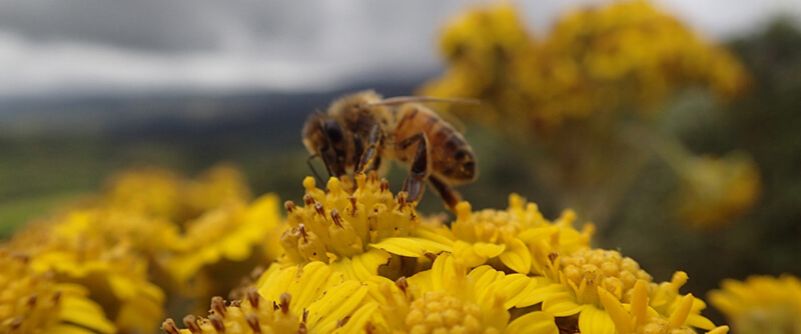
(496, 226)
(337, 223)
(438, 312)
(587, 269)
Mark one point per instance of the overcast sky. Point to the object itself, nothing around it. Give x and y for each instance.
(102, 46)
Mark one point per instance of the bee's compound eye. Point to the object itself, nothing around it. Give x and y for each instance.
(460, 155)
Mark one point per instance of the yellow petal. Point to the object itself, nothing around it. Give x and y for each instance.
(336, 304)
(85, 313)
(488, 250)
(68, 329)
(679, 316)
(719, 330)
(362, 266)
(623, 321)
(595, 321)
(513, 288)
(639, 302)
(359, 319)
(699, 321)
(467, 255)
(539, 289)
(517, 257)
(311, 283)
(561, 305)
(272, 282)
(443, 273)
(483, 276)
(535, 323)
(411, 247)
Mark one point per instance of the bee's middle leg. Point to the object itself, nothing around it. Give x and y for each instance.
(414, 185)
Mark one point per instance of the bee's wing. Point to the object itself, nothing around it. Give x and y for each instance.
(445, 114)
(448, 116)
(426, 99)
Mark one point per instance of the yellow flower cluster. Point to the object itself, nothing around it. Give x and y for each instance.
(35, 302)
(364, 261)
(151, 239)
(595, 61)
(761, 304)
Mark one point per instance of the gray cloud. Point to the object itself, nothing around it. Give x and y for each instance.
(97, 45)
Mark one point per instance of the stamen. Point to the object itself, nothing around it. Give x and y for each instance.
(303, 233)
(308, 199)
(352, 205)
(289, 206)
(168, 326)
(253, 297)
(402, 284)
(319, 208)
(402, 199)
(217, 322)
(191, 323)
(284, 299)
(336, 217)
(253, 323)
(218, 305)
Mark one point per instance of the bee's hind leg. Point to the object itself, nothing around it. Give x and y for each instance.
(450, 196)
(414, 185)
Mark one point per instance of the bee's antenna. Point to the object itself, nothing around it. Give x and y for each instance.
(314, 171)
(424, 99)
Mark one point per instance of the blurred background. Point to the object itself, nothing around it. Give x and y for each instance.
(672, 125)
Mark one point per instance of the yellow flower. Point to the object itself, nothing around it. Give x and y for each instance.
(585, 282)
(599, 60)
(665, 298)
(160, 193)
(307, 297)
(231, 232)
(356, 232)
(217, 186)
(512, 236)
(33, 302)
(481, 32)
(558, 237)
(578, 277)
(148, 191)
(115, 277)
(761, 304)
(253, 314)
(638, 317)
(447, 299)
(716, 190)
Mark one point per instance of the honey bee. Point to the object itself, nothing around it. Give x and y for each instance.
(360, 132)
